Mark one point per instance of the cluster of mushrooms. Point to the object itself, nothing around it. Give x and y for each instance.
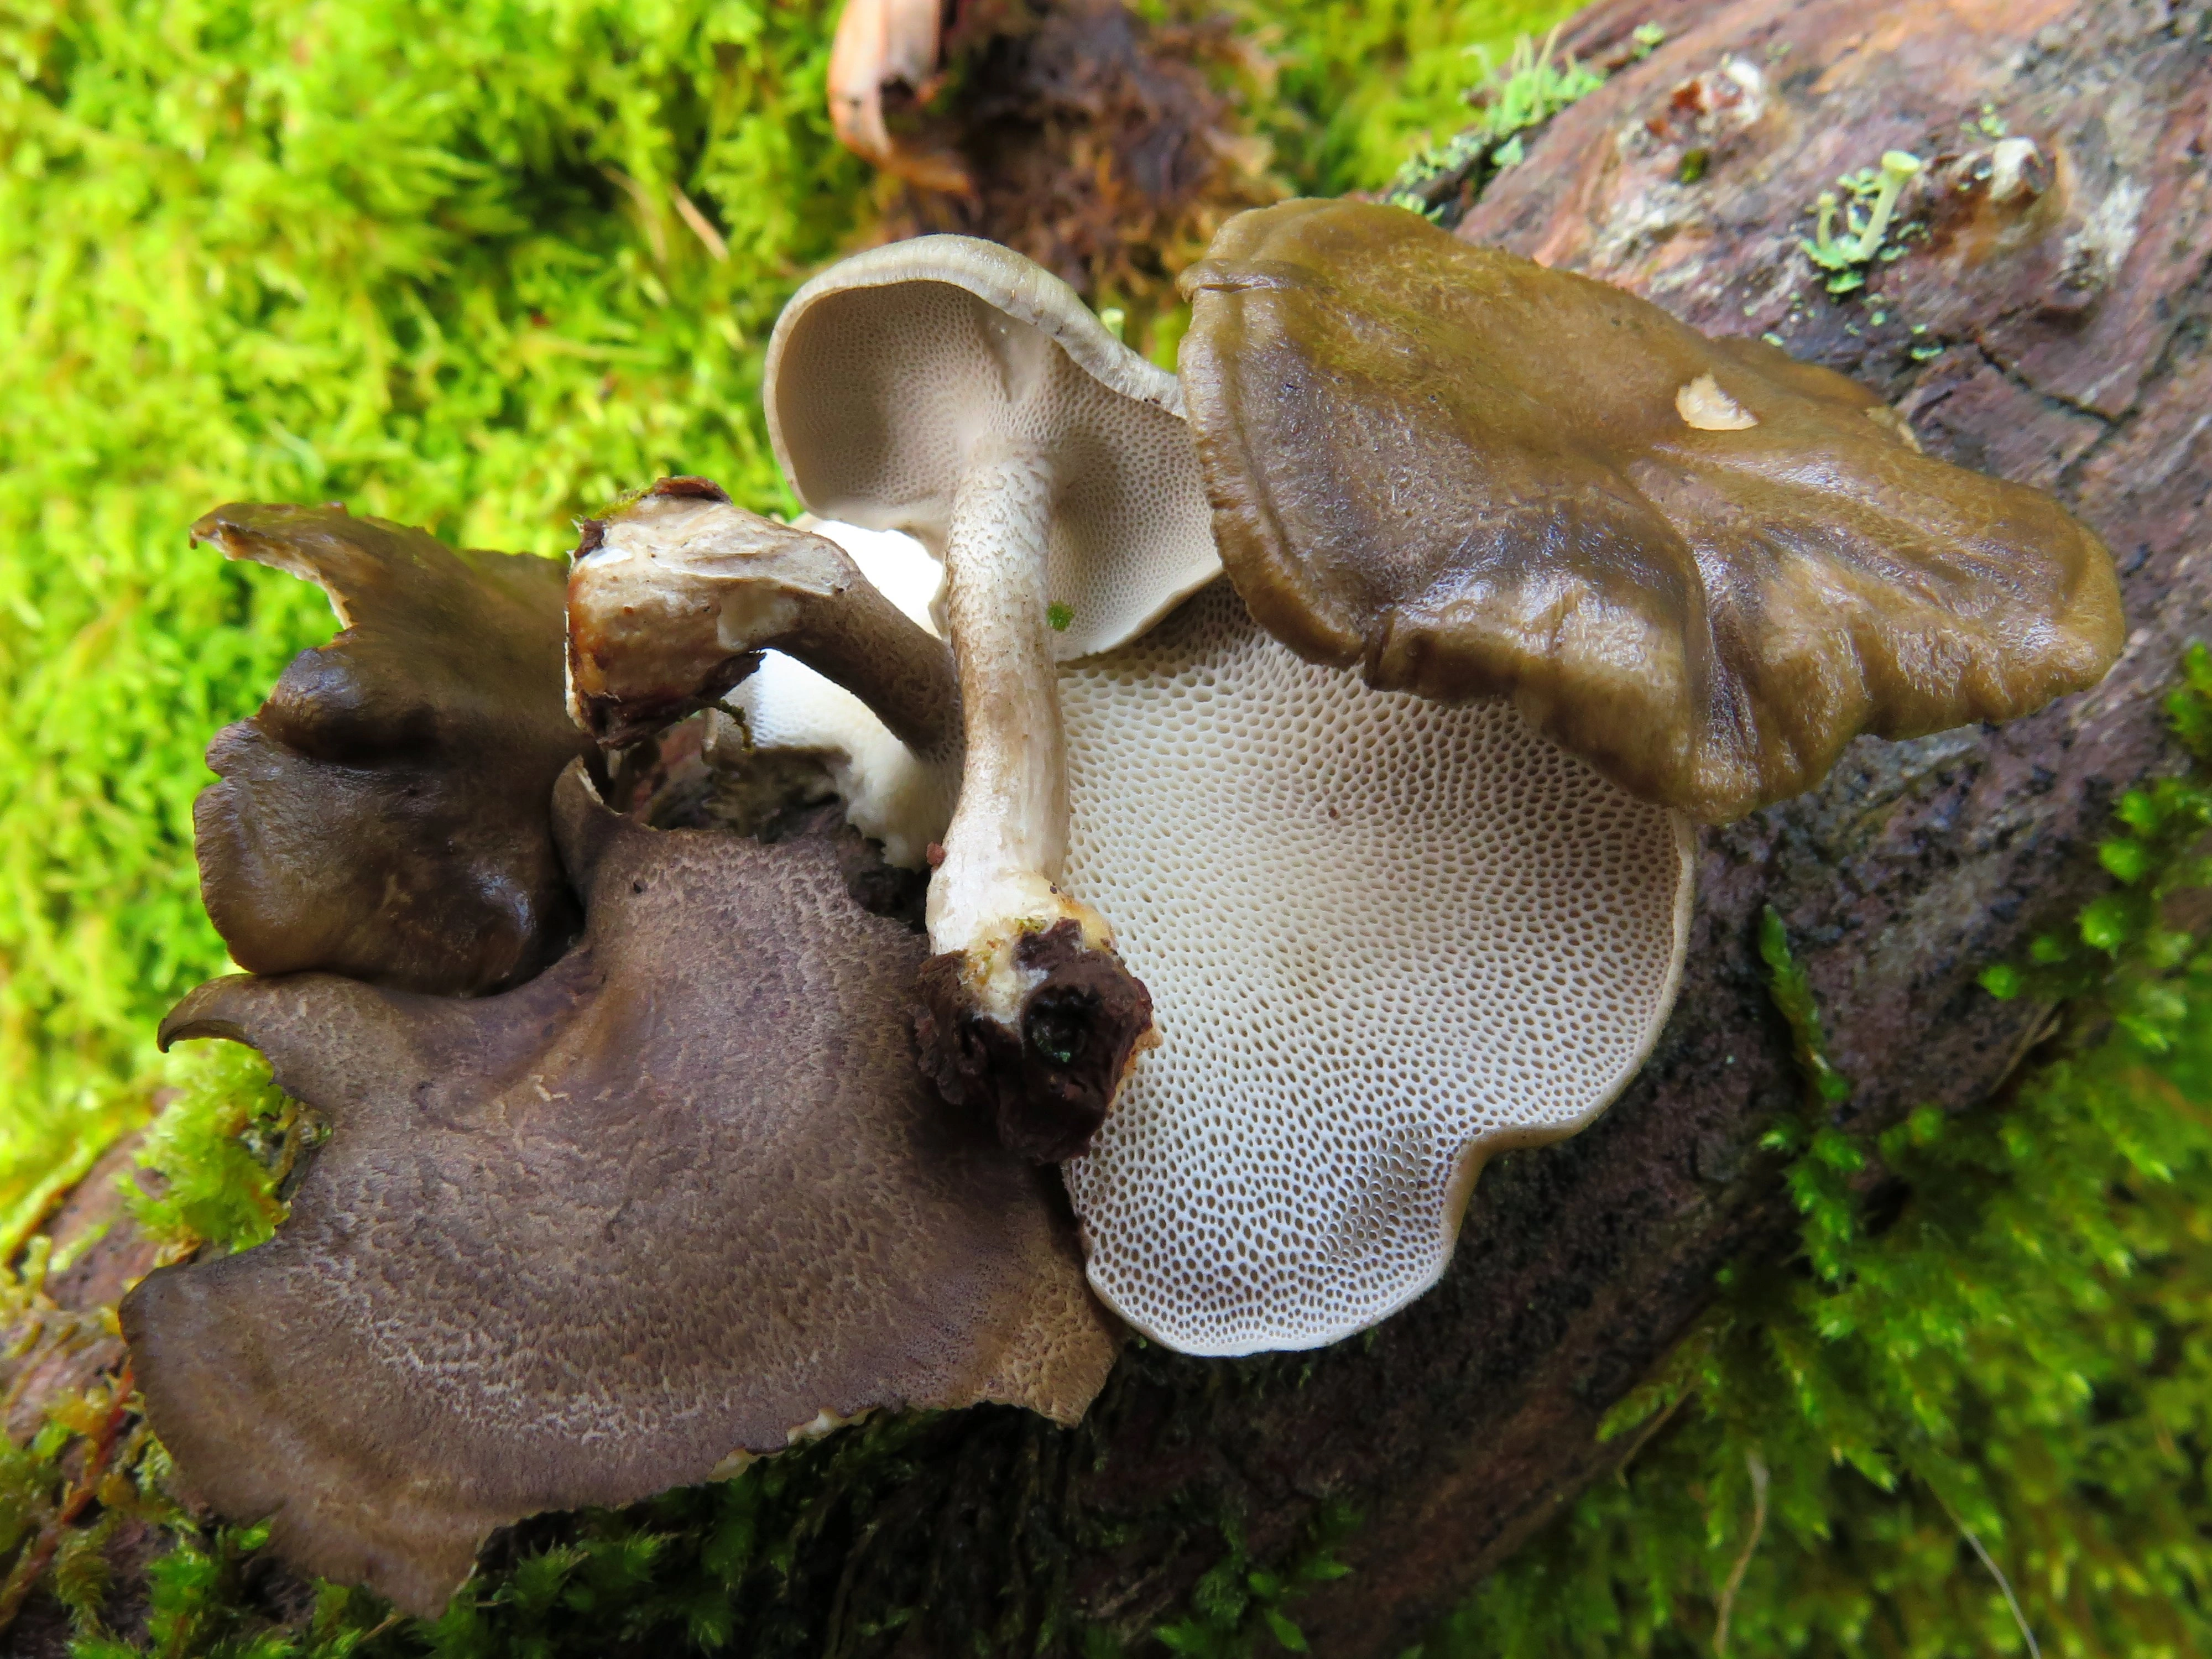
(656, 1149)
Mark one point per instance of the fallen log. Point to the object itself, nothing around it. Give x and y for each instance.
(2046, 316)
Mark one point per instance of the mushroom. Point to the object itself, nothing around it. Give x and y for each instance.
(951, 389)
(677, 594)
(1386, 939)
(1700, 565)
(385, 814)
(681, 1196)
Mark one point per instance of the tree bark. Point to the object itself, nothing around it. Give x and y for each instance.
(2073, 321)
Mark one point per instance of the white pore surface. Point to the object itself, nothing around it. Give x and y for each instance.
(889, 794)
(1384, 937)
(882, 394)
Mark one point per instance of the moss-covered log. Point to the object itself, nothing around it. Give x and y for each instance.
(2042, 309)
(2058, 336)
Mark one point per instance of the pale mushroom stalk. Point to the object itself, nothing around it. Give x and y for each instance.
(674, 595)
(1008, 841)
(951, 389)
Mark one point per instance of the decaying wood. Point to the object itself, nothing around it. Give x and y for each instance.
(1087, 137)
(2054, 325)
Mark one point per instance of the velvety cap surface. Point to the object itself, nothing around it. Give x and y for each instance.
(1700, 565)
(683, 1195)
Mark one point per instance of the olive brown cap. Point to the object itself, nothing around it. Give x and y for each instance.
(1700, 564)
(683, 1195)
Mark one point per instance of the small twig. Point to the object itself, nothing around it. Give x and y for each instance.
(701, 226)
(40, 1554)
(2034, 1650)
(648, 212)
(1644, 1435)
(1742, 1562)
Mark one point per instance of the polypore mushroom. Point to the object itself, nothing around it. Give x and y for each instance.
(385, 814)
(681, 1196)
(953, 390)
(1386, 939)
(1699, 564)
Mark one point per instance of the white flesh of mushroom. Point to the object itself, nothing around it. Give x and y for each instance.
(889, 794)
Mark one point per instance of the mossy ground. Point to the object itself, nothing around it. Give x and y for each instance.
(430, 259)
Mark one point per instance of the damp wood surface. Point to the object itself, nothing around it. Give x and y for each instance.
(2066, 342)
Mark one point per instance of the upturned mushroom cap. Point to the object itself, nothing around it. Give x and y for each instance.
(385, 814)
(1699, 564)
(951, 389)
(888, 370)
(1385, 940)
(682, 1195)
(1388, 938)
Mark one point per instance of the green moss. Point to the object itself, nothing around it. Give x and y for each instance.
(219, 1153)
(1239, 1608)
(1357, 86)
(1536, 84)
(424, 258)
(427, 260)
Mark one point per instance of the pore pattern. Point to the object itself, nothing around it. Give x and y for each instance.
(1384, 938)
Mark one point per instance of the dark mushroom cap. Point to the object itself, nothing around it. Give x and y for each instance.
(1701, 565)
(385, 814)
(683, 1195)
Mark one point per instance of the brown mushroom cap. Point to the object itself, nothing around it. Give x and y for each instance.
(683, 1194)
(1698, 564)
(385, 814)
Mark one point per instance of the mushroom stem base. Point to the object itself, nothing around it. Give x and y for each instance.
(1047, 1077)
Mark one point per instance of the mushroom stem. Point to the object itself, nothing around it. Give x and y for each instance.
(674, 597)
(1009, 834)
(1026, 1006)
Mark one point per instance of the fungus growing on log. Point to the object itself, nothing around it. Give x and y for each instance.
(385, 814)
(951, 389)
(1698, 563)
(683, 1195)
(1386, 939)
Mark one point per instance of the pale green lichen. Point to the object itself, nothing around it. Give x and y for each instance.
(1536, 84)
(1872, 194)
